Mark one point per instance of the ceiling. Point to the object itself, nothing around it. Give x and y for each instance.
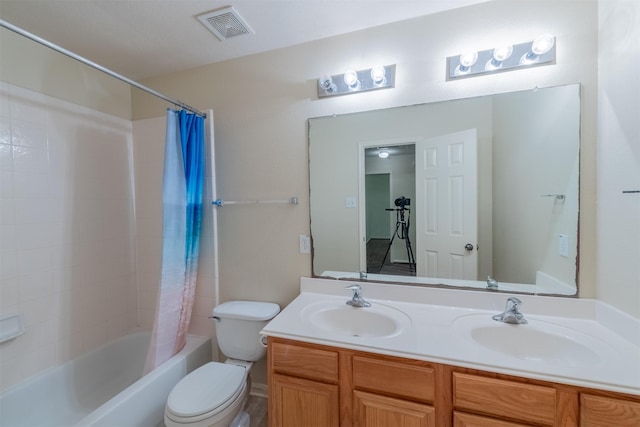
(146, 38)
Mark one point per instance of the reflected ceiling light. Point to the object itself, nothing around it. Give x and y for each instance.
(541, 51)
(383, 154)
(353, 81)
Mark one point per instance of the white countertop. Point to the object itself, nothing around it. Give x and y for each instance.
(434, 333)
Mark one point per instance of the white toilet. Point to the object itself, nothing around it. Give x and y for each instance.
(215, 393)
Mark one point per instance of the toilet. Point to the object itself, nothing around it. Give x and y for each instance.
(215, 394)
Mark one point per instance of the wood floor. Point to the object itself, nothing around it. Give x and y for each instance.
(257, 409)
(376, 249)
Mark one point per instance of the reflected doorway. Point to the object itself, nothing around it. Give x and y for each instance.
(385, 180)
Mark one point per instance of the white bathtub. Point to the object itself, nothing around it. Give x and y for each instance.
(104, 387)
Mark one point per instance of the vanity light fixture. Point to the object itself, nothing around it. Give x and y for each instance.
(352, 81)
(541, 51)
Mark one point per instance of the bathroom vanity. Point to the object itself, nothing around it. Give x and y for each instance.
(428, 362)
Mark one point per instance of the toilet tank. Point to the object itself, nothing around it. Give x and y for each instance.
(238, 327)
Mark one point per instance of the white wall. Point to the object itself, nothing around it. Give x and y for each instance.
(619, 154)
(262, 103)
(66, 230)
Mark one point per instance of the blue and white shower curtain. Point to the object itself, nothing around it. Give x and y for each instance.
(183, 182)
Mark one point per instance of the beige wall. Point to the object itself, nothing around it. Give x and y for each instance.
(618, 236)
(33, 66)
(262, 103)
(537, 138)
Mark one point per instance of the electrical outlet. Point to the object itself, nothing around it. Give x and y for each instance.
(305, 244)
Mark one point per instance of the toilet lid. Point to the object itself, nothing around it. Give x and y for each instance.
(206, 389)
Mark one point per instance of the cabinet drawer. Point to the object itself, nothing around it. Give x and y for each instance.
(413, 380)
(305, 362)
(461, 419)
(503, 398)
(599, 411)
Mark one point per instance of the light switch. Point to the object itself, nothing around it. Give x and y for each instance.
(350, 202)
(305, 244)
(563, 245)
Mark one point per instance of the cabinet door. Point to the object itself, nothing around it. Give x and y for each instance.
(599, 411)
(298, 402)
(371, 410)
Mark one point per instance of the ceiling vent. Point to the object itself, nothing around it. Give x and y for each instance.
(225, 23)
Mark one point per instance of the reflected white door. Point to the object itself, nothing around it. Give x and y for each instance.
(446, 206)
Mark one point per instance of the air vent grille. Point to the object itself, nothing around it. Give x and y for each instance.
(225, 23)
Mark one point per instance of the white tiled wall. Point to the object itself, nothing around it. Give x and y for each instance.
(67, 231)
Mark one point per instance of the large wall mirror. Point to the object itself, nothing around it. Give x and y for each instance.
(451, 193)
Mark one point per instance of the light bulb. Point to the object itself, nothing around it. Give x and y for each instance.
(378, 75)
(499, 55)
(351, 79)
(542, 44)
(502, 53)
(468, 59)
(383, 154)
(325, 82)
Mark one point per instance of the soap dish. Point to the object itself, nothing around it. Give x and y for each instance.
(11, 327)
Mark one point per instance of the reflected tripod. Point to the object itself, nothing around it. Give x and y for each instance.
(402, 231)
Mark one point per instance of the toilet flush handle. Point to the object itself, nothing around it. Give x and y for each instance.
(216, 318)
(263, 340)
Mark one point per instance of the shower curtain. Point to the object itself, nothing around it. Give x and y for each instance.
(182, 213)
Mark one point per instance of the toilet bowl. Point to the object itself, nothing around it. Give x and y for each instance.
(215, 394)
(211, 395)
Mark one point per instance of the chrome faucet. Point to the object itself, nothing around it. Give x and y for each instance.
(511, 313)
(492, 284)
(357, 300)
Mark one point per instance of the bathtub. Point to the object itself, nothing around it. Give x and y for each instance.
(103, 387)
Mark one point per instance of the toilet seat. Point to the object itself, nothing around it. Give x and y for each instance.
(205, 392)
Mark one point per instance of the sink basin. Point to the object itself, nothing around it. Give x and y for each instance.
(379, 320)
(537, 341)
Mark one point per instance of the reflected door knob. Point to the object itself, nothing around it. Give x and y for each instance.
(468, 247)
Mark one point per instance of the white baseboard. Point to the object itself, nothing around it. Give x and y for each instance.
(259, 390)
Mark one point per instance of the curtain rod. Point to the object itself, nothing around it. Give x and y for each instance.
(120, 77)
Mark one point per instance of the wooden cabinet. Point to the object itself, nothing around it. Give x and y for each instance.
(313, 385)
(375, 410)
(303, 403)
(506, 400)
(603, 411)
(304, 383)
(392, 392)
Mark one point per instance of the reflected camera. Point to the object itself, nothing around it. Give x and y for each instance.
(401, 202)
